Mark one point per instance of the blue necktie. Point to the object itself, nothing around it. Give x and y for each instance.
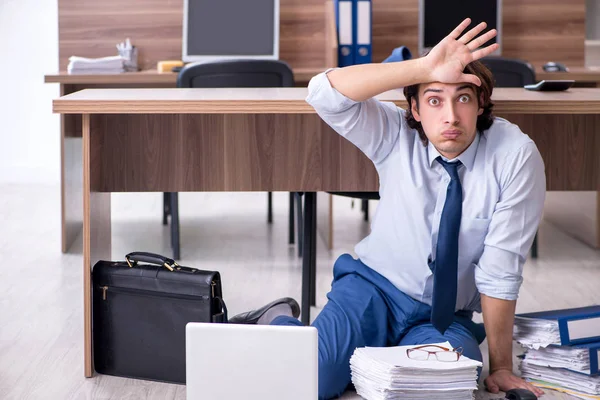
(446, 258)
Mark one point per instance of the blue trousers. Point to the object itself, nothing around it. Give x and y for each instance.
(365, 309)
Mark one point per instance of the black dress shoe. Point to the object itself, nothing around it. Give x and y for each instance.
(251, 317)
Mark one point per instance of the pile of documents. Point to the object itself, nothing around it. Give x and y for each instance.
(103, 65)
(547, 373)
(576, 359)
(125, 61)
(562, 350)
(388, 373)
(536, 333)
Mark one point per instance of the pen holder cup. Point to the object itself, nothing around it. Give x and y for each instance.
(131, 59)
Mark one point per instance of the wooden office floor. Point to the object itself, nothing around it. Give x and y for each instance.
(41, 337)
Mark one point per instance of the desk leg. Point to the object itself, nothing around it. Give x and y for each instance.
(309, 255)
(325, 218)
(71, 175)
(96, 237)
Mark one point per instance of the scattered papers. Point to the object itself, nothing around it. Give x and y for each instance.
(388, 373)
(536, 333)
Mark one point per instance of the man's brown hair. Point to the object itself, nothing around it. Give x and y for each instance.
(483, 92)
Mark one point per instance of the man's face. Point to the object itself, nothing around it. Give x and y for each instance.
(448, 114)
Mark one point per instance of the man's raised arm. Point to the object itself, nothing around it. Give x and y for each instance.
(445, 63)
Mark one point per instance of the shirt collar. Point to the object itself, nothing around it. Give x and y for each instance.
(467, 157)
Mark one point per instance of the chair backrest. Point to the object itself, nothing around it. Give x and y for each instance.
(236, 73)
(510, 72)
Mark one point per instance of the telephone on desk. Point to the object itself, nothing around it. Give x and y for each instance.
(552, 66)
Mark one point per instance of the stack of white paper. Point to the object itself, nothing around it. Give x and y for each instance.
(103, 65)
(573, 358)
(536, 333)
(579, 384)
(388, 373)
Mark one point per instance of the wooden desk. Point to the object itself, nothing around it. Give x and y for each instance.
(583, 76)
(71, 207)
(577, 214)
(70, 127)
(149, 77)
(270, 140)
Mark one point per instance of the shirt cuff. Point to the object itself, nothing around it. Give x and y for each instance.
(492, 281)
(505, 290)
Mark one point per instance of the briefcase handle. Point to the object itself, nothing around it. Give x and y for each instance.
(151, 258)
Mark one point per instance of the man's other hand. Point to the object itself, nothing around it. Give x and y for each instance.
(505, 380)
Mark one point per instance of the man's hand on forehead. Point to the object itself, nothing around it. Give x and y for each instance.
(448, 59)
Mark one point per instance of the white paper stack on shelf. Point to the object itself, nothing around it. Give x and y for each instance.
(535, 333)
(388, 373)
(575, 383)
(103, 65)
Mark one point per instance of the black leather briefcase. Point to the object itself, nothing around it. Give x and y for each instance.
(140, 312)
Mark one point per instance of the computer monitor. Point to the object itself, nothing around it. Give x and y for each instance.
(437, 18)
(230, 29)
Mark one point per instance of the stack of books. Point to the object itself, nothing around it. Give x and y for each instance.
(562, 350)
(380, 373)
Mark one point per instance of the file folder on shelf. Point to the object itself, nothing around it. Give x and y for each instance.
(362, 32)
(344, 14)
(576, 325)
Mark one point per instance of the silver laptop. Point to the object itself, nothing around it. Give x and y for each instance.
(232, 361)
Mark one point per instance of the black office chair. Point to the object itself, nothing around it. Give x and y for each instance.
(229, 74)
(512, 72)
(364, 198)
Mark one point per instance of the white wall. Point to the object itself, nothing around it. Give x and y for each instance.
(29, 132)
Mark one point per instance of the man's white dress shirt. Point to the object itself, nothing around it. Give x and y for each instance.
(503, 183)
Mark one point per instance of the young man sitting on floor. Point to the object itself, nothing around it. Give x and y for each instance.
(461, 194)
